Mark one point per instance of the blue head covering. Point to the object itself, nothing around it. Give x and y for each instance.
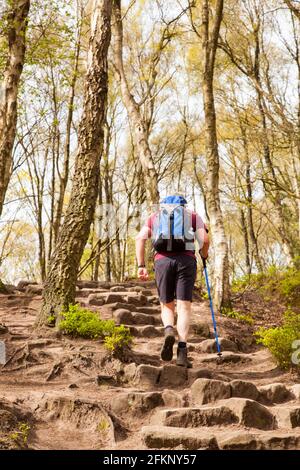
(179, 200)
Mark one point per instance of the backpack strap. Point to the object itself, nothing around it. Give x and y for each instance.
(194, 221)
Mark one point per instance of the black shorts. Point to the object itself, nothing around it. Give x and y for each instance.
(175, 277)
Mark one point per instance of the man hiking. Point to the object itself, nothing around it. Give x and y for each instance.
(173, 229)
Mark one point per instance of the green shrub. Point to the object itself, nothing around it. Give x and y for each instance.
(285, 283)
(279, 340)
(21, 434)
(51, 320)
(78, 321)
(250, 281)
(118, 340)
(227, 312)
(289, 285)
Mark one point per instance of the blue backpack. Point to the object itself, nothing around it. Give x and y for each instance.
(173, 229)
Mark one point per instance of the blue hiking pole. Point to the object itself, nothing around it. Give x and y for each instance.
(211, 307)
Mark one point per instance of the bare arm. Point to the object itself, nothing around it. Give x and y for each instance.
(140, 243)
(203, 241)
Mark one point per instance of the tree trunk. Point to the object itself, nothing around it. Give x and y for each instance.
(252, 236)
(246, 241)
(139, 127)
(209, 47)
(273, 193)
(98, 225)
(60, 283)
(63, 178)
(16, 30)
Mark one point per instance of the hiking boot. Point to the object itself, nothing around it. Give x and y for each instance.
(167, 349)
(182, 359)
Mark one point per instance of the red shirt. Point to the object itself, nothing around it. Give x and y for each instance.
(197, 223)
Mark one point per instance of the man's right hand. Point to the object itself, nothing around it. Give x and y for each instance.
(143, 274)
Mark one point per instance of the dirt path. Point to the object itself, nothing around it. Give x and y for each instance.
(75, 397)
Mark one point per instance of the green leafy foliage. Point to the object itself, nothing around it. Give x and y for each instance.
(51, 320)
(78, 321)
(284, 284)
(119, 339)
(21, 434)
(227, 312)
(279, 340)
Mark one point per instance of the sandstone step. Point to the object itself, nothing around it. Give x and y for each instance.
(89, 292)
(134, 318)
(136, 289)
(295, 391)
(269, 440)
(288, 416)
(159, 437)
(148, 310)
(153, 299)
(168, 375)
(116, 305)
(148, 292)
(203, 372)
(146, 331)
(195, 417)
(112, 298)
(251, 414)
(210, 345)
(244, 389)
(146, 284)
(136, 402)
(118, 289)
(201, 329)
(24, 283)
(109, 297)
(206, 390)
(145, 375)
(241, 411)
(145, 319)
(227, 357)
(93, 284)
(123, 315)
(274, 393)
(136, 299)
(35, 289)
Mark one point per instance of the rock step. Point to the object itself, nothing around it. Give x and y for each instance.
(227, 357)
(210, 345)
(138, 403)
(87, 292)
(288, 417)
(204, 391)
(127, 317)
(201, 329)
(102, 298)
(242, 411)
(146, 331)
(159, 437)
(136, 286)
(128, 306)
(147, 376)
(148, 310)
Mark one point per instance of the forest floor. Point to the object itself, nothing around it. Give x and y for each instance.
(62, 393)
